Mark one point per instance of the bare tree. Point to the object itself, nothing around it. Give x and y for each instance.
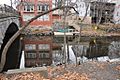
(80, 22)
(4, 53)
(11, 3)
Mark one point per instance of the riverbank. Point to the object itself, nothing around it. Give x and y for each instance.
(101, 30)
(92, 70)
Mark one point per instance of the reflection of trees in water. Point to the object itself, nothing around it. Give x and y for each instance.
(94, 50)
(97, 49)
(80, 50)
(114, 50)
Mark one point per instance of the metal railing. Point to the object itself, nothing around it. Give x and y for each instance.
(8, 9)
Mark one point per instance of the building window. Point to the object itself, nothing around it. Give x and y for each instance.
(47, 7)
(39, 8)
(40, 18)
(44, 18)
(30, 47)
(29, 8)
(31, 55)
(44, 47)
(44, 55)
(56, 53)
(43, 7)
(27, 17)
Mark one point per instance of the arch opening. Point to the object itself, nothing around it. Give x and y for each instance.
(14, 51)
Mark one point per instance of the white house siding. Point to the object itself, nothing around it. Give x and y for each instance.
(82, 11)
(117, 13)
(82, 8)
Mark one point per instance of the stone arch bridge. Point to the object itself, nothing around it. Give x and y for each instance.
(9, 25)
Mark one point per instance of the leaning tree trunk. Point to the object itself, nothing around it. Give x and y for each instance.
(4, 53)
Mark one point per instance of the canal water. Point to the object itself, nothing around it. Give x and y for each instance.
(92, 48)
(87, 49)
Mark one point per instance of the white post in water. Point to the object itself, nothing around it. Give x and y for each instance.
(72, 55)
(22, 61)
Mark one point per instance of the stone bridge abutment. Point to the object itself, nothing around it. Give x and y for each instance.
(9, 25)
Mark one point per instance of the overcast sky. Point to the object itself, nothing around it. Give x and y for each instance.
(9, 3)
(5, 2)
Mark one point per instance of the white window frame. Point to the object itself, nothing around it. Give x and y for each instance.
(46, 7)
(41, 55)
(30, 6)
(30, 47)
(40, 18)
(31, 55)
(44, 47)
(46, 17)
(39, 8)
(27, 17)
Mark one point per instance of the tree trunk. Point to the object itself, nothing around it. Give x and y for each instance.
(4, 53)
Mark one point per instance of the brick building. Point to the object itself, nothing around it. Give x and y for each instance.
(30, 8)
(38, 50)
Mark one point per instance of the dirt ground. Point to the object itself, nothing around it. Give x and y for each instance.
(101, 30)
(86, 71)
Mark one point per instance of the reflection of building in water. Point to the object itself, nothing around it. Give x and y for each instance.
(114, 50)
(57, 53)
(81, 49)
(38, 51)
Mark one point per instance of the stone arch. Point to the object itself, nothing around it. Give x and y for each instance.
(14, 51)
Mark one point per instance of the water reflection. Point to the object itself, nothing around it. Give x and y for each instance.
(114, 50)
(101, 49)
(98, 49)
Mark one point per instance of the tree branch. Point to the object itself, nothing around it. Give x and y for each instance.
(85, 13)
(3, 56)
